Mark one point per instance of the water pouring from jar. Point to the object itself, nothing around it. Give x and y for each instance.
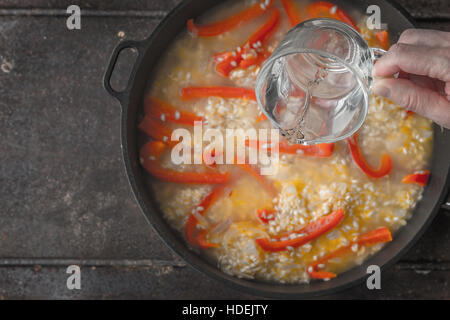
(315, 86)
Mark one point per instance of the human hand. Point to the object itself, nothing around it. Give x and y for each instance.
(422, 60)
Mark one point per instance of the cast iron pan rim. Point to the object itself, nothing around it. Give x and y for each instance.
(200, 264)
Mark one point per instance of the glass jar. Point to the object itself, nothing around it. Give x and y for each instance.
(315, 86)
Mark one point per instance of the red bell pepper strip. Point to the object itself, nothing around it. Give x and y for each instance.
(189, 93)
(420, 178)
(312, 231)
(292, 12)
(261, 117)
(408, 113)
(379, 235)
(254, 60)
(163, 111)
(322, 150)
(152, 151)
(201, 208)
(232, 61)
(202, 242)
(383, 39)
(266, 215)
(156, 130)
(230, 23)
(321, 274)
(358, 158)
(221, 56)
(370, 238)
(324, 9)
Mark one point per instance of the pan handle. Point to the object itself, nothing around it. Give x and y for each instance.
(446, 204)
(128, 44)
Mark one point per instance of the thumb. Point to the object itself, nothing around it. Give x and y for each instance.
(423, 101)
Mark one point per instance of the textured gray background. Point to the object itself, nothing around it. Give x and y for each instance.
(64, 196)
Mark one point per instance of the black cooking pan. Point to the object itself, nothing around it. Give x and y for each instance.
(131, 100)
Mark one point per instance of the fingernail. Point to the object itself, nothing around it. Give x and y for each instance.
(381, 90)
(375, 72)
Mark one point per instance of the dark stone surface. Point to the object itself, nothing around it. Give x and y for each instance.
(417, 8)
(167, 282)
(63, 190)
(92, 4)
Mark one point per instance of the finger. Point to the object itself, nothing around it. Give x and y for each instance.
(425, 61)
(403, 75)
(424, 37)
(423, 101)
(422, 81)
(427, 82)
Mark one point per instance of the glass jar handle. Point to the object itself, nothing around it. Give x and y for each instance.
(377, 53)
